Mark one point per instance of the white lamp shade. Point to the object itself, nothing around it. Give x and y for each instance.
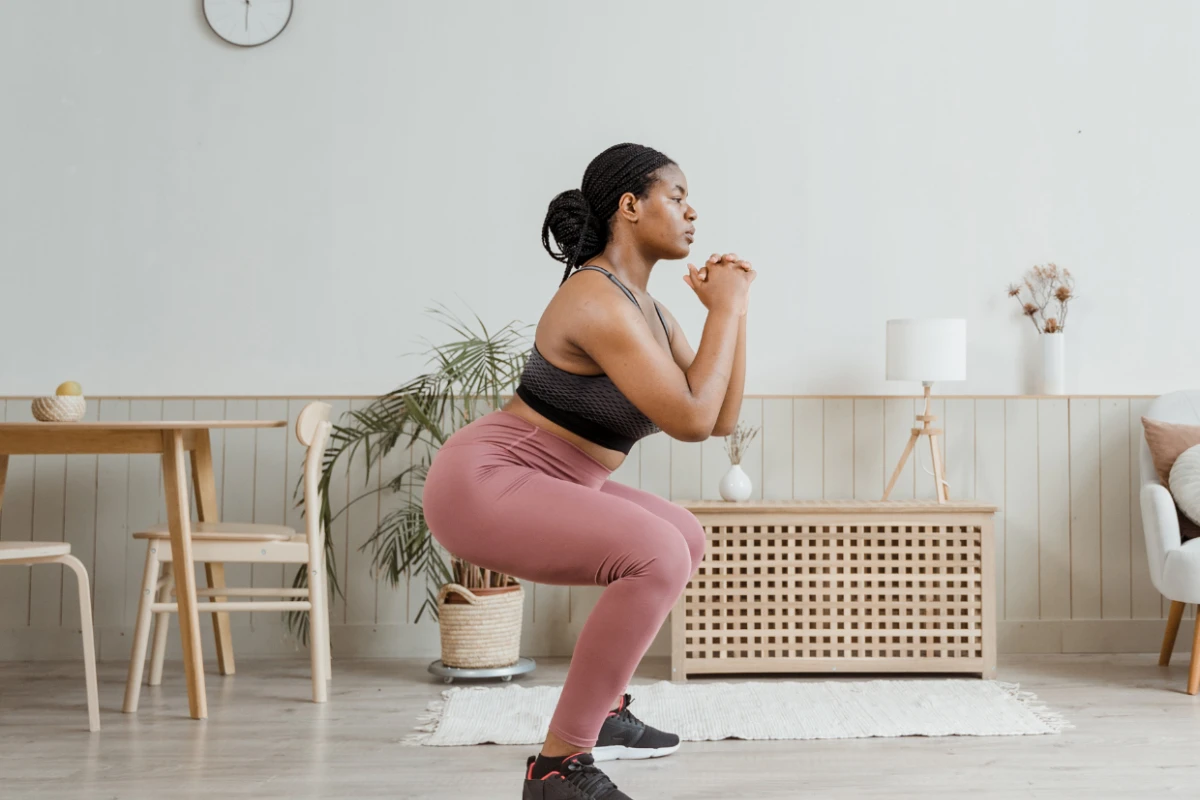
(927, 350)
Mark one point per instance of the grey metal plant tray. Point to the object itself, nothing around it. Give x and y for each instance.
(450, 674)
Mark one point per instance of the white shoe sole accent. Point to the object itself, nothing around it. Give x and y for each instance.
(622, 753)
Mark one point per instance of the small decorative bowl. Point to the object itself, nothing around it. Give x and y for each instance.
(60, 408)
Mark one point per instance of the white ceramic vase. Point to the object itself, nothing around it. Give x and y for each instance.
(1054, 364)
(736, 486)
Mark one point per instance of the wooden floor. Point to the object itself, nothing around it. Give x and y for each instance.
(1137, 734)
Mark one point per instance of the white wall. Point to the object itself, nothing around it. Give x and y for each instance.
(169, 204)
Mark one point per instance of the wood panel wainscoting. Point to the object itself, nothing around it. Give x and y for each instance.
(849, 586)
(1071, 572)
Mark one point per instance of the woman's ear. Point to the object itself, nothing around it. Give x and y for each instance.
(627, 206)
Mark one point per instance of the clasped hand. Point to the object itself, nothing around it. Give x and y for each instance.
(723, 282)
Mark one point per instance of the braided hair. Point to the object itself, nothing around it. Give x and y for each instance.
(579, 218)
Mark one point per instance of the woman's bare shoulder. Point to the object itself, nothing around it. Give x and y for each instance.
(586, 299)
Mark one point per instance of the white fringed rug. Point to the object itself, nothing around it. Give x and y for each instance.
(756, 710)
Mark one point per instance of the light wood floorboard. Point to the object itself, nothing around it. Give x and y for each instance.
(1136, 735)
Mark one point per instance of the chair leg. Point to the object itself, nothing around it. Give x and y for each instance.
(141, 631)
(162, 624)
(324, 616)
(1164, 658)
(221, 631)
(1194, 669)
(318, 633)
(328, 648)
(328, 637)
(89, 641)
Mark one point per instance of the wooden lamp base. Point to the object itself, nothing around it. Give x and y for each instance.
(939, 475)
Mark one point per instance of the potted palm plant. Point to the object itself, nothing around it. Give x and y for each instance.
(469, 376)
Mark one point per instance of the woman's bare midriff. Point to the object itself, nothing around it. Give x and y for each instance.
(609, 458)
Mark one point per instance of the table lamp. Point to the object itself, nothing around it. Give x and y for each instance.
(926, 350)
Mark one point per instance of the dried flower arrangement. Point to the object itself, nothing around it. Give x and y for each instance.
(737, 442)
(1044, 295)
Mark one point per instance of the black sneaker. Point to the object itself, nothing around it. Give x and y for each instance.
(625, 736)
(577, 779)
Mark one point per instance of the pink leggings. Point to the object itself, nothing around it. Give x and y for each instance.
(509, 496)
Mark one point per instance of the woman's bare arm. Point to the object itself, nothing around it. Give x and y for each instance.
(685, 403)
(731, 406)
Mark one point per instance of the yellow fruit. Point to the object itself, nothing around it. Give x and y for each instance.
(70, 388)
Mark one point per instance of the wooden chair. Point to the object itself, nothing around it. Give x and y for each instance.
(236, 542)
(28, 553)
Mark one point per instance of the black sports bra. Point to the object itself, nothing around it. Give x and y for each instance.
(590, 406)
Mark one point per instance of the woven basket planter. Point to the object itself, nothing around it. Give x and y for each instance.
(481, 629)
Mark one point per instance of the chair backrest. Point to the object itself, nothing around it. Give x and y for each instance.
(1182, 408)
(313, 429)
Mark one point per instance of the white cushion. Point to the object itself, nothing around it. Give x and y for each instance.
(1185, 483)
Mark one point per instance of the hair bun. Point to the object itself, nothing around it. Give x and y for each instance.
(576, 196)
(575, 228)
(573, 201)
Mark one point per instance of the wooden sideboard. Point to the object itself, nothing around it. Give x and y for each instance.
(849, 586)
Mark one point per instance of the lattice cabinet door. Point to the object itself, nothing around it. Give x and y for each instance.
(839, 587)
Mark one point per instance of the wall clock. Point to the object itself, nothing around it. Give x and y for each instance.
(247, 23)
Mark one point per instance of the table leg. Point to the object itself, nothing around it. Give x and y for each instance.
(176, 490)
(3, 476)
(206, 508)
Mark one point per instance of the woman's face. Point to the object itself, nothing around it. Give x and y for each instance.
(665, 225)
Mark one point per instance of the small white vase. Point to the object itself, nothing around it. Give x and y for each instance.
(1054, 364)
(736, 486)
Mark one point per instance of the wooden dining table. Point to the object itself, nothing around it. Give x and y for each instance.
(172, 441)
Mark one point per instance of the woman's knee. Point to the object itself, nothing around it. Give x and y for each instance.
(677, 548)
(697, 540)
(673, 561)
(692, 531)
(662, 559)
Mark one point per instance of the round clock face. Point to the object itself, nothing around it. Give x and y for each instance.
(247, 23)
